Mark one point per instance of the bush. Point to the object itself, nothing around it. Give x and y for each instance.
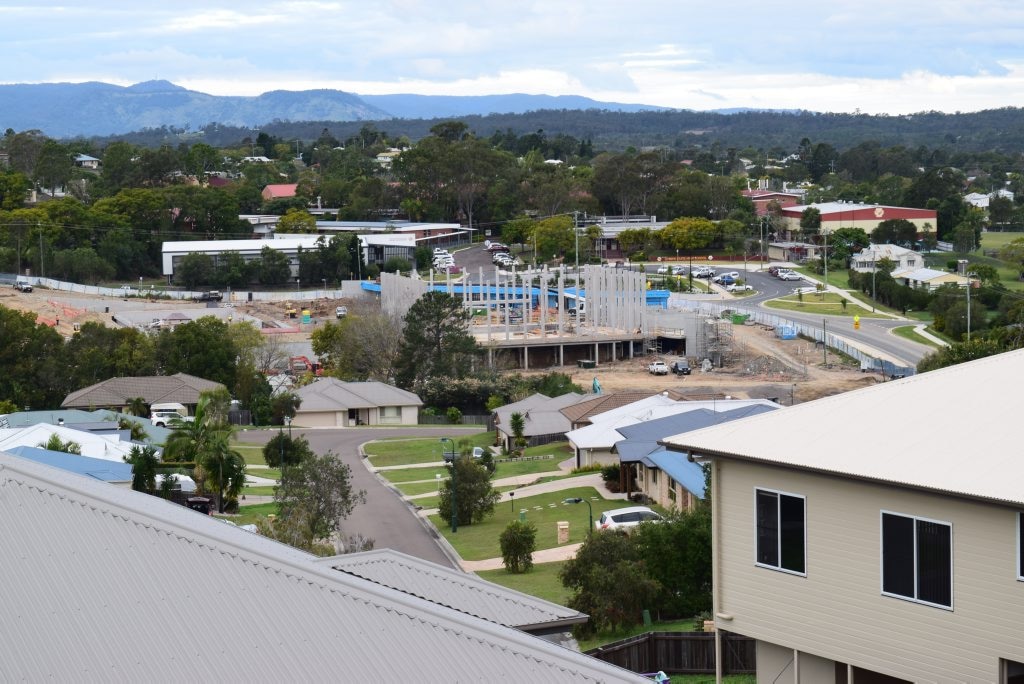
(454, 415)
(518, 542)
(610, 475)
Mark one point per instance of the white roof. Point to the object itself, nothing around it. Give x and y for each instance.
(887, 251)
(949, 430)
(923, 275)
(129, 587)
(108, 447)
(219, 246)
(603, 432)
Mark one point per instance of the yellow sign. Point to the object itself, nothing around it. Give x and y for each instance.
(856, 322)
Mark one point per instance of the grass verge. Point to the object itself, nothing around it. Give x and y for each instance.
(249, 514)
(394, 452)
(480, 540)
(822, 304)
(908, 332)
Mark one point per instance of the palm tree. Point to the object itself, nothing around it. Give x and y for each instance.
(138, 407)
(55, 443)
(205, 441)
(518, 425)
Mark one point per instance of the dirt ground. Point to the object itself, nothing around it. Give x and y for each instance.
(761, 364)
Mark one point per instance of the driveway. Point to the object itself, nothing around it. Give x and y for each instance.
(385, 517)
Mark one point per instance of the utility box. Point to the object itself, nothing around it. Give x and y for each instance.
(563, 532)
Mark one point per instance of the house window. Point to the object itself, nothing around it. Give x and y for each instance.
(917, 559)
(1020, 546)
(781, 524)
(390, 414)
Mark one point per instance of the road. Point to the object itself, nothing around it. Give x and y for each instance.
(385, 517)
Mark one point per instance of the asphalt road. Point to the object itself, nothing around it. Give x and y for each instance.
(385, 517)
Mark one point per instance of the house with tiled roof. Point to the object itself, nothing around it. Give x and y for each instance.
(118, 393)
(579, 414)
(105, 584)
(279, 191)
(330, 402)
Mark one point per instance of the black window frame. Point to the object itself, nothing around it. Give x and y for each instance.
(780, 558)
(921, 542)
(1020, 546)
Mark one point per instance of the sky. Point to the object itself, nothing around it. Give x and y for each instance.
(873, 56)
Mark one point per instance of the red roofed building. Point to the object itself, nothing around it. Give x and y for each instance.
(279, 191)
(836, 215)
(762, 198)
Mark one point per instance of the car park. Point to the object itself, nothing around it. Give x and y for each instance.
(626, 518)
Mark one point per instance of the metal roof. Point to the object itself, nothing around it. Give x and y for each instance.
(464, 592)
(130, 588)
(96, 468)
(950, 430)
(542, 415)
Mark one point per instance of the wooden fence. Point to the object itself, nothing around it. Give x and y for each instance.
(486, 420)
(680, 653)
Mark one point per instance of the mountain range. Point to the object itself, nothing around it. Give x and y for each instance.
(67, 110)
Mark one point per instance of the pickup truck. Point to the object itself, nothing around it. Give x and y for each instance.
(657, 368)
(22, 286)
(211, 296)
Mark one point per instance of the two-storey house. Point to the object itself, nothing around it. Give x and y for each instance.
(875, 536)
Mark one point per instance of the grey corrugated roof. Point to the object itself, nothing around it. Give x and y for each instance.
(180, 387)
(130, 588)
(660, 428)
(96, 468)
(541, 415)
(950, 430)
(455, 589)
(331, 394)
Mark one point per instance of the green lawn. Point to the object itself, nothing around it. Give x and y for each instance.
(252, 453)
(542, 581)
(610, 637)
(908, 332)
(480, 541)
(394, 452)
(993, 240)
(413, 474)
(434, 501)
(560, 450)
(269, 473)
(521, 467)
(414, 488)
(249, 514)
(825, 304)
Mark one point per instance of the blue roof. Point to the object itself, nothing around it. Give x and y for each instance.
(680, 469)
(96, 468)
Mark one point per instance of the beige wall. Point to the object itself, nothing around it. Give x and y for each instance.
(837, 610)
(602, 456)
(659, 486)
(320, 418)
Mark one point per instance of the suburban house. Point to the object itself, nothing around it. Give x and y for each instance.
(761, 199)
(118, 393)
(596, 442)
(330, 402)
(666, 477)
(579, 415)
(104, 445)
(836, 215)
(875, 555)
(84, 161)
(150, 591)
(902, 258)
(796, 252)
(117, 473)
(929, 278)
(543, 421)
(278, 191)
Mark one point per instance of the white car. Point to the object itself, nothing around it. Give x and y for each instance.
(703, 272)
(678, 270)
(790, 275)
(662, 269)
(625, 518)
(736, 287)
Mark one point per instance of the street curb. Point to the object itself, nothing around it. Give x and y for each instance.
(446, 548)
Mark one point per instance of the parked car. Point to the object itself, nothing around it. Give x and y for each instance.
(681, 366)
(724, 280)
(625, 518)
(662, 269)
(657, 368)
(341, 312)
(790, 275)
(496, 247)
(703, 272)
(678, 270)
(736, 287)
(22, 285)
(735, 275)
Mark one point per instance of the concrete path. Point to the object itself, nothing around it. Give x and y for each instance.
(922, 330)
(559, 553)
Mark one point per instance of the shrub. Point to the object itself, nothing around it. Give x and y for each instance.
(610, 475)
(454, 414)
(518, 542)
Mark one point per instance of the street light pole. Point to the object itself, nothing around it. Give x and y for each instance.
(590, 510)
(455, 510)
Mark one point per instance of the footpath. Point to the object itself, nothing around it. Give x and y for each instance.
(523, 489)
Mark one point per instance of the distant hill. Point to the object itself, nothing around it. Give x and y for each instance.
(64, 110)
(442, 106)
